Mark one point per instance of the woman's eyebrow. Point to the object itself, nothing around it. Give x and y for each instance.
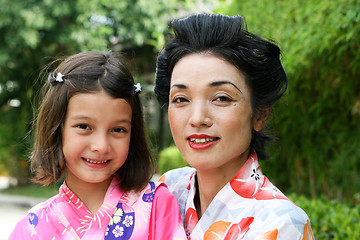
(218, 83)
(181, 86)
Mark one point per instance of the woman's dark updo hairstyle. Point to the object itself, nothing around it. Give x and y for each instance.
(226, 37)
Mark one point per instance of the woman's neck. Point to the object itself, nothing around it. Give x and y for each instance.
(210, 182)
(207, 187)
(91, 194)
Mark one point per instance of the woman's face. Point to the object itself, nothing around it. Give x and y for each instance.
(210, 113)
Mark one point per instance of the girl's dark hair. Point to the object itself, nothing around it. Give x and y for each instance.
(227, 38)
(83, 73)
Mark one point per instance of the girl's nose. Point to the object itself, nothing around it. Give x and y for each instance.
(200, 116)
(100, 144)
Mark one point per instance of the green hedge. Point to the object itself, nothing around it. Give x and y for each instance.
(170, 158)
(331, 219)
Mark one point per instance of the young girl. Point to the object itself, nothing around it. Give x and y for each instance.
(90, 127)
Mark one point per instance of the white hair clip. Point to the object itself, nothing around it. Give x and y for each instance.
(137, 88)
(59, 77)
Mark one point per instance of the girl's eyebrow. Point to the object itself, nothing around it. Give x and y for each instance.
(218, 83)
(81, 117)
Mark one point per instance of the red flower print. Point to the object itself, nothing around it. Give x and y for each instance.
(216, 230)
(191, 220)
(239, 230)
(269, 191)
(249, 179)
(191, 176)
(308, 235)
(270, 235)
(235, 231)
(249, 182)
(162, 178)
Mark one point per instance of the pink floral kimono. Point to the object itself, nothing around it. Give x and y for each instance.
(248, 207)
(150, 214)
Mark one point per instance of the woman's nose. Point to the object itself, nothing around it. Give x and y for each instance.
(100, 144)
(200, 116)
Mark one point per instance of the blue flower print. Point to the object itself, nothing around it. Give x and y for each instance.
(149, 193)
(121, 225)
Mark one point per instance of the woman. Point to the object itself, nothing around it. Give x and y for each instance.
(219, 82)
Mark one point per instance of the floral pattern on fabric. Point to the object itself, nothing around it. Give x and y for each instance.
(227, 230)
(248, 207)
(270, 235)
(121, 225)
(249, 182)
(308, 232)
(123, 215)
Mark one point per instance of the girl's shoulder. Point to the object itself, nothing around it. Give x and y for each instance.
(44, 205)
(24, 228)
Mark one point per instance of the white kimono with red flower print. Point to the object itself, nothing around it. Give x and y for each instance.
(248, 207)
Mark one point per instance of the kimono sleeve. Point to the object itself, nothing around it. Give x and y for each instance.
(165, 220)
(22, 230)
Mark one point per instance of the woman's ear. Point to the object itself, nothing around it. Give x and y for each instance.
(261, 119)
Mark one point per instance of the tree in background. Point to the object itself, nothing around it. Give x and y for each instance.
(34, 32)
(318, 124)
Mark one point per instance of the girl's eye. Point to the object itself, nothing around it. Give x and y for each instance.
(83, 126)
(119, 130)
(179, 100)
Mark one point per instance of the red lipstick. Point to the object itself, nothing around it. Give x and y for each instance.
(201, 141)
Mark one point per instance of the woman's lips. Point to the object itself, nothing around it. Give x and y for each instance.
(201, 141)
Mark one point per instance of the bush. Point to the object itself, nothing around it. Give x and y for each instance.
(170, 158)
(331, 219)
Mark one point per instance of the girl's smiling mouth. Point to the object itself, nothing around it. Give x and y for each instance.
(94, 162)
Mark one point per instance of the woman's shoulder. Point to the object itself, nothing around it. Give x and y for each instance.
(178, 177)
(283, 217)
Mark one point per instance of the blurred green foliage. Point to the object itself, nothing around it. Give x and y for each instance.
(331, 219)
(34, 32)
(318, 122)
(170, 158)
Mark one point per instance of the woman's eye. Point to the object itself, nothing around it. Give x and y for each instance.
(223, 99)
(83, 126)
(179, 100)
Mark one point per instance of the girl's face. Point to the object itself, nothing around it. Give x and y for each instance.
(96, 137)
(210, 113)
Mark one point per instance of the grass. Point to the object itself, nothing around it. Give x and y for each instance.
(32, 191)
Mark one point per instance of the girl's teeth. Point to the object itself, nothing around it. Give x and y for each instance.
(90, 161)
(202, 140)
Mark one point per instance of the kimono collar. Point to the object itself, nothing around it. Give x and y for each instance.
(249, 182)
(67, 193)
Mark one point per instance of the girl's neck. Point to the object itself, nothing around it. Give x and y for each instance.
(91, 194)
